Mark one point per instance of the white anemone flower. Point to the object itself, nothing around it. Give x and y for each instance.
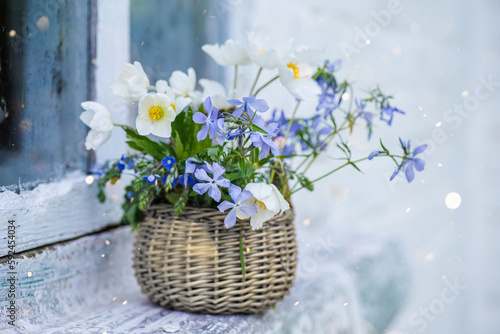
(132, 84)
(185, 85)
(296, 73)
(263, 52)
(217, 93)
(268, 200)
(179, 102)
(228, 54)
(156, 115)
(98, 118)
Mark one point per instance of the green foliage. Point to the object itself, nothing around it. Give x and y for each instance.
(185, 142)
(146, 145)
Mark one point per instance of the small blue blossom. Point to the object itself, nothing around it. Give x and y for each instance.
(168, 162)
(367, 115)
(213, 183)
(151, 178)
(410, 163)
(130, 195)
(389, 112)
(250, 105)
(239, 197)
(211, 123)
(125, 162)
(189, 180)
(374, 154)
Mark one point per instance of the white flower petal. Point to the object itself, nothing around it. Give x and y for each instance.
(257, 220)
(181, 103)
(143, 125)
(132, 83)
(162, 87)
(162, 128)
(95, 139)
(259, 190)
(229, 54)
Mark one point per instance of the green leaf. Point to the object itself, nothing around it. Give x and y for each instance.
(181, 203)
(179, 147)
(172, 197)
(257, 128)
(101, 195)
(305, 182)
(383, 147)
(145, 145)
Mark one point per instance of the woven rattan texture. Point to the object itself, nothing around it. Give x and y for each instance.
(192, 262)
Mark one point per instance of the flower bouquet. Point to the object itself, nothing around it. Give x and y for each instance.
(213, 171)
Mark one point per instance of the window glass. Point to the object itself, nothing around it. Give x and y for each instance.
(45, 48)
(168, 35)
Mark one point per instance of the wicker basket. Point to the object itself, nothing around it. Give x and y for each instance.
(192, 262)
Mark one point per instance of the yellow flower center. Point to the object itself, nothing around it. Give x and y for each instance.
(261, 51)
(156, 113)
(295, 69)
(261, 204)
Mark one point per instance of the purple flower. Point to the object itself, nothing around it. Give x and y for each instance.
(367, 115)
(213, 183)
(263, 140)
(191, 165)
(250, 105)
(151, 178)
(389, 111)
(410, 163)
(168, 162)
(239, 197)
(212, 124)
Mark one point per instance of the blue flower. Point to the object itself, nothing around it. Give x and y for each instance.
(125, 162)
(189, 180)
(389, 111)
(130, 195)
(151, 178)
(373, 155)
(168, 162)
(367, 115)
(213, 183)
(239, 197)
(249, 104)
(212, 123)
(263, 140)
(410, 163)
(332, 66)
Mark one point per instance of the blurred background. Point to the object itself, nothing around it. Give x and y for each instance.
(440, 59)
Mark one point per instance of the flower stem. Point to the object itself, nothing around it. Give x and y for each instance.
(290, 124)
(124, 126)
(265, 85)
(242, 257)
(255, 82)
(235, 76)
